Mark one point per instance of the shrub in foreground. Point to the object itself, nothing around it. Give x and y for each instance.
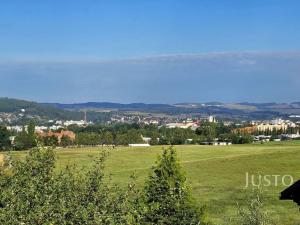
(254, 212)
(33, 193)
(167, 197)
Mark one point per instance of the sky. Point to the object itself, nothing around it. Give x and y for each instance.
(158, 51)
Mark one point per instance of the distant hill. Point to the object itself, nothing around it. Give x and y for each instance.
(110, 105)
(242, 110)
(101, 111)
(9, 105)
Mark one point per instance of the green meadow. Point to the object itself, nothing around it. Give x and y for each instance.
(216, 174)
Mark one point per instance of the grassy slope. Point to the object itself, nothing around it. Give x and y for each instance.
(216, 174)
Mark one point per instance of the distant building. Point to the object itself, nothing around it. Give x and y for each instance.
(55, 127)
(263, 138)
(191, 125)
(146, 139)
(245, 130)
(294, 116)
(221, 143)
(72, 122)
(153, 122)
(189, 140)
(12, 139)
(15, 128)
(263, 126)
(211, 119)
(227, 123)
(290, 136)
(139, 145)
(40, 128)
(59, 122)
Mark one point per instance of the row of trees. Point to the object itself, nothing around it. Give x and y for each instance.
(124, 134)
(108, 138)
(34, 194)
(27, 139)
(276, 132)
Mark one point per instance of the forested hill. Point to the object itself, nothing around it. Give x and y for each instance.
(219, 109)
(9, 105)
(116, 106)
(101, 111)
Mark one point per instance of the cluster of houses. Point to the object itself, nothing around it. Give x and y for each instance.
(263, 126)
(53, 125)
(66, 123)
(183, 125)
(190, 123)
(8, 117)
(136, 119)
(181, 121)
(216, 143)
(277, 124)
(55, 128)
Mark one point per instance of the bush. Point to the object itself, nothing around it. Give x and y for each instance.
(34, 194)
(254, 213)
(167, 197)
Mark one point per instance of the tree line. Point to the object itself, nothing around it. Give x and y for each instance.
(123, 134)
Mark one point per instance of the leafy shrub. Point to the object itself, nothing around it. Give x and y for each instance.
(254, 213)
(34, 194)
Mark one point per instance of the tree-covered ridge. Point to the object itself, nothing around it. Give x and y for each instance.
(222, 110)
(9, 105)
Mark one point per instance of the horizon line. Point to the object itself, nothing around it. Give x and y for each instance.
(128, 103)
(89, 59)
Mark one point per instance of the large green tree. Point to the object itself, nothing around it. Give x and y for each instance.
(26, 139)
(50, 141)
(107, 138)
(167, 196)
(86, 138)
(209, 130)
(66, 141)
(5, 142)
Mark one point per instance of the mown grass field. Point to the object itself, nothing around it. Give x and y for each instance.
(216, 174)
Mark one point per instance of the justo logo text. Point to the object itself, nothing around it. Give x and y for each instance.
(268, 180)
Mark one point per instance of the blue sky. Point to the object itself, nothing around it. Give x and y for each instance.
(114, 43)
